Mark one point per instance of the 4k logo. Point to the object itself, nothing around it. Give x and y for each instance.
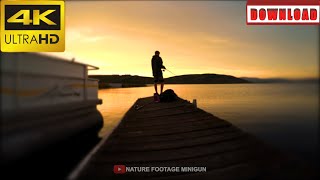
(26, 17)
(32, 26)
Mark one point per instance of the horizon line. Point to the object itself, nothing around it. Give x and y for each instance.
(262, 78)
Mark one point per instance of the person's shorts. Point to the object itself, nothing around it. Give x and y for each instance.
(158, 79)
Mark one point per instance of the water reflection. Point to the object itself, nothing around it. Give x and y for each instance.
(285, 115)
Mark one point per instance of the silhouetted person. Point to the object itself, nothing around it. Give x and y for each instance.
(157, 65)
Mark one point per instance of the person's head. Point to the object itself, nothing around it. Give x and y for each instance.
(157, 53)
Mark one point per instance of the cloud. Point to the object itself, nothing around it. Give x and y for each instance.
(85, 35)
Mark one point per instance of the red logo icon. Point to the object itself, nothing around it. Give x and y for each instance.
(119, 169)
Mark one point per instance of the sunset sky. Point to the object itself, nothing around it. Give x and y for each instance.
(192, 37)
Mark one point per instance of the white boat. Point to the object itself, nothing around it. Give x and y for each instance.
(45, 100)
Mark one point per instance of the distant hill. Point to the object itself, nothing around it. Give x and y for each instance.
(126, 79)
(204, 79)
(280, 80)
(133, 81)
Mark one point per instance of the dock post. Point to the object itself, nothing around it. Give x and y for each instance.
(194, 102)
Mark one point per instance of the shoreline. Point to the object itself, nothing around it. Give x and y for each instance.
(251, 83)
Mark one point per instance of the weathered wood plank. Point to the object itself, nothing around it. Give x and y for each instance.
(179, 134)
(173, 137)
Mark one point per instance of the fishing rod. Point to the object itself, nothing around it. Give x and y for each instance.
(170, 71)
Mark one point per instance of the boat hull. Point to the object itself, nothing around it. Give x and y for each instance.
(45, 101)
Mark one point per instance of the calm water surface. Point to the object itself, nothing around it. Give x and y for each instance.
(284, 115)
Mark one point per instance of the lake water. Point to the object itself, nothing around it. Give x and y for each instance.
(284, 115)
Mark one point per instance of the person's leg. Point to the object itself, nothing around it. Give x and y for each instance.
(156, 80)
(161, 81)
(162, 84)
(155, 87)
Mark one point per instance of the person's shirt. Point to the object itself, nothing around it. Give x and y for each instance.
(157, 64)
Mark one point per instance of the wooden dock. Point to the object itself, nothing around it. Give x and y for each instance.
(178, 134)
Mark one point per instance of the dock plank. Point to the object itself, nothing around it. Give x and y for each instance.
(179, 134)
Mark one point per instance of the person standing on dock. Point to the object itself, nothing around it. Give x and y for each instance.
(157, 65)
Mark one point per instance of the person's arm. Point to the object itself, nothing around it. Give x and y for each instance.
(162, 66)
(153, 65)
